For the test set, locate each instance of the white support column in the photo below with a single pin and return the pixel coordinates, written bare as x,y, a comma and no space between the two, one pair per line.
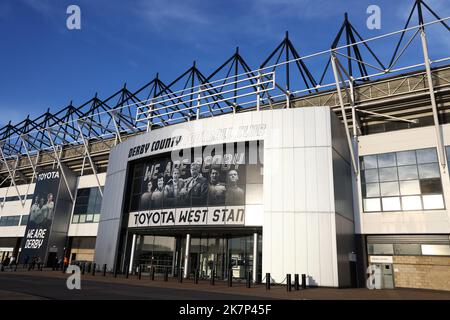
288,99
258,92
86,149
439,139
59,164
344,116
255,256
118,137
133,246
186,255
199,96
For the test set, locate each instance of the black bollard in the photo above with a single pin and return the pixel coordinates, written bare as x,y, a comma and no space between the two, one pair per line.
166,275
140,272
196,276
152,273
89,268
230,277
83,269
249,279
180,276
115,272
15,268
296,283
93,269
127,272
213,276
267,281
303,281
3,268
288,282
104,270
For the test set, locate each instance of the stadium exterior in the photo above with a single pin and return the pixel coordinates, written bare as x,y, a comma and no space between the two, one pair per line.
249,171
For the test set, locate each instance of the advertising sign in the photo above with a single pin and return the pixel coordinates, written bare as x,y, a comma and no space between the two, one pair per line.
41,215
194,187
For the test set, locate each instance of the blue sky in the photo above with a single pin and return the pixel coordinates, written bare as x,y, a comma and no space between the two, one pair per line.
45,65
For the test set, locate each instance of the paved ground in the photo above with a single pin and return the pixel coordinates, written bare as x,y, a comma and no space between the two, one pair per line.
24,284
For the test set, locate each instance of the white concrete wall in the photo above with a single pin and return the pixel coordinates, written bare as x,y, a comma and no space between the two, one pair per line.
14,208
408,222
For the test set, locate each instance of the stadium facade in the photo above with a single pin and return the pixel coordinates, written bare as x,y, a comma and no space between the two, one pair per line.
261,171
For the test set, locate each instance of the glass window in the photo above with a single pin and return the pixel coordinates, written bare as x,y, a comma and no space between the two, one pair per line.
370,162
391,204
409,187
372,205
408,173
430,170
433,202
372,190
388,174
406,158
407,249
96,217
82,218
414,175
75,218
426,155
412,203
89,217
371,175
389,189
24,220
436,250
380,248
386,160
431,186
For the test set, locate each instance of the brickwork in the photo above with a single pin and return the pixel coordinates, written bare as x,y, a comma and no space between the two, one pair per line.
424,272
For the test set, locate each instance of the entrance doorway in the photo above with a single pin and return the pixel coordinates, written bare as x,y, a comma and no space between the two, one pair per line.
384,276
220,254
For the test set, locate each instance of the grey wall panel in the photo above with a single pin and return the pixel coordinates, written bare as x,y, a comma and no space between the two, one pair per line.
339,138
112,208
345,241
343,195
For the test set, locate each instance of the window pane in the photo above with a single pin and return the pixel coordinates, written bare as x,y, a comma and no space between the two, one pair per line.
436,250
370,162
388,174
407,249
82,218
430,186
386,160
406,158
426,155
89,217
409,187
433,202
75,218
372,205
408,173
430,170
411,203
83,192
380,248
389,189
371,175
24,220
391,204
372,190
96,217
